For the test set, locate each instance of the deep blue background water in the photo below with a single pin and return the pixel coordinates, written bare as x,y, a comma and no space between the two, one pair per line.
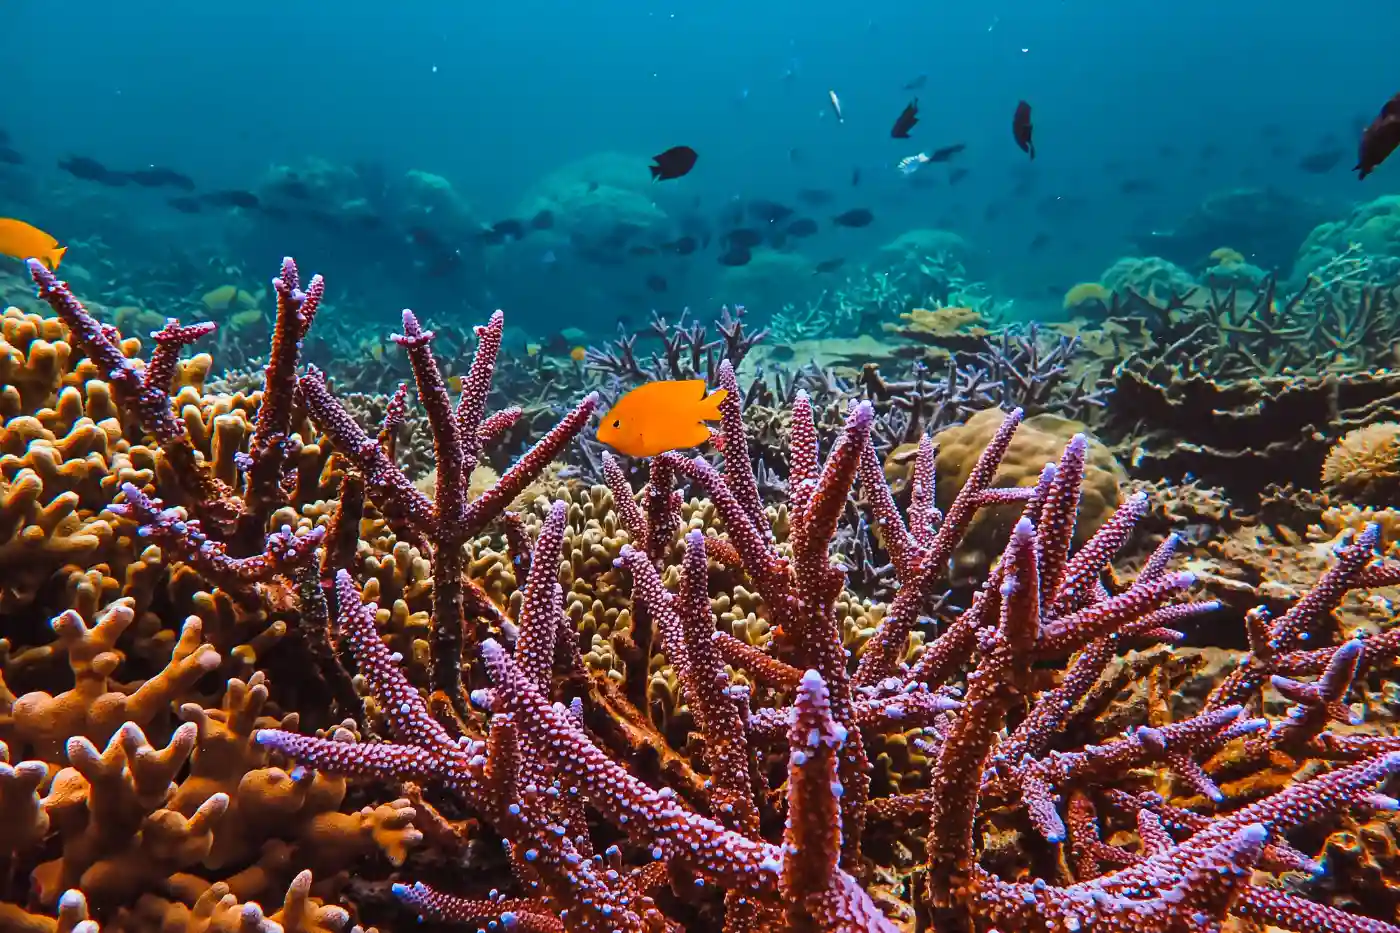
495,95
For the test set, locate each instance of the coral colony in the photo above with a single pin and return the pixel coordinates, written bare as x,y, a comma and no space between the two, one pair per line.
295,678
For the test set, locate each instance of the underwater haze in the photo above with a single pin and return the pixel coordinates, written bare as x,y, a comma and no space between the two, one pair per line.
408,130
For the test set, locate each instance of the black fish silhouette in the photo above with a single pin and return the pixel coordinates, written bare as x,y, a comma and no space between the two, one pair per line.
906,121
1379,139
231,198
92,170
946,153
673,163
856,217
1021,128
157,176
736,256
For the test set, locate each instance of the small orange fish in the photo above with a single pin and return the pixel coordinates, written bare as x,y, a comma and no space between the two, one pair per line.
454,383
661,416
578,354
25,241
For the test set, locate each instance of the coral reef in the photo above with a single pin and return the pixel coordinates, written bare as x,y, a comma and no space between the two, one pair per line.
249,662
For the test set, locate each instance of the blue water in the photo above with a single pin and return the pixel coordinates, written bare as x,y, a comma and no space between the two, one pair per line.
495,96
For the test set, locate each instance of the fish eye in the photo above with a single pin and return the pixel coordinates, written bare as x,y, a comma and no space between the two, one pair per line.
617,423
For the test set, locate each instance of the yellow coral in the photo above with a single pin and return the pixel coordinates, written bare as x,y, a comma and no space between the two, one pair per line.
1225,256
1085,294
227,298
1365,464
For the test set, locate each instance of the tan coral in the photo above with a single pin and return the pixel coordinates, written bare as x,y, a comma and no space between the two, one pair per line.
94,706
1364,466
1038,441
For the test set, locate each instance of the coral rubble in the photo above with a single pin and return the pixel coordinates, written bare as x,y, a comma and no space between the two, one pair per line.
278,672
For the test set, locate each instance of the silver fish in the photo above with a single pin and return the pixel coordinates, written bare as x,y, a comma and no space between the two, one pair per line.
836,106
911,164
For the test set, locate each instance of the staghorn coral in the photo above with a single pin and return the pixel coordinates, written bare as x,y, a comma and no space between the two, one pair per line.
1038,440
765,749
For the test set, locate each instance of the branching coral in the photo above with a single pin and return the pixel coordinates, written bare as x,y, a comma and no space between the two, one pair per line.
827,763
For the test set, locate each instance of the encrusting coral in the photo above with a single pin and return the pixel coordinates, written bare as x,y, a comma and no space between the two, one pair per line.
371,685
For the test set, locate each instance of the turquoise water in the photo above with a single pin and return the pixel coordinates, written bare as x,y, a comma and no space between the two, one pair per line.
1142,110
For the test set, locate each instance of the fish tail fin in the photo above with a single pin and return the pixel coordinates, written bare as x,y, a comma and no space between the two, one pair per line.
655,172
709,405
55,257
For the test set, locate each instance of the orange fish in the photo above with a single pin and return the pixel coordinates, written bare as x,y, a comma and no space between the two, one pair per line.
24,241
578,354
661,416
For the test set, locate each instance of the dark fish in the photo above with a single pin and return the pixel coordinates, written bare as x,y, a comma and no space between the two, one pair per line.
656,283
946,153
735,256
231,198
957,175
1318,163
673,163
916,83
1137,186
684,246
855,217
10,156
815,197
906,120
1167,151
1041,241
829,265
1271,130
641,249
544,220
185,205
743,238
802,228
159,177
1021,128
92,170
794,155
769,211
855,177
592,187
1379,139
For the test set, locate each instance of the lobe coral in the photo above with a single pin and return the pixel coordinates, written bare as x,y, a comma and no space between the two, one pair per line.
1032,799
